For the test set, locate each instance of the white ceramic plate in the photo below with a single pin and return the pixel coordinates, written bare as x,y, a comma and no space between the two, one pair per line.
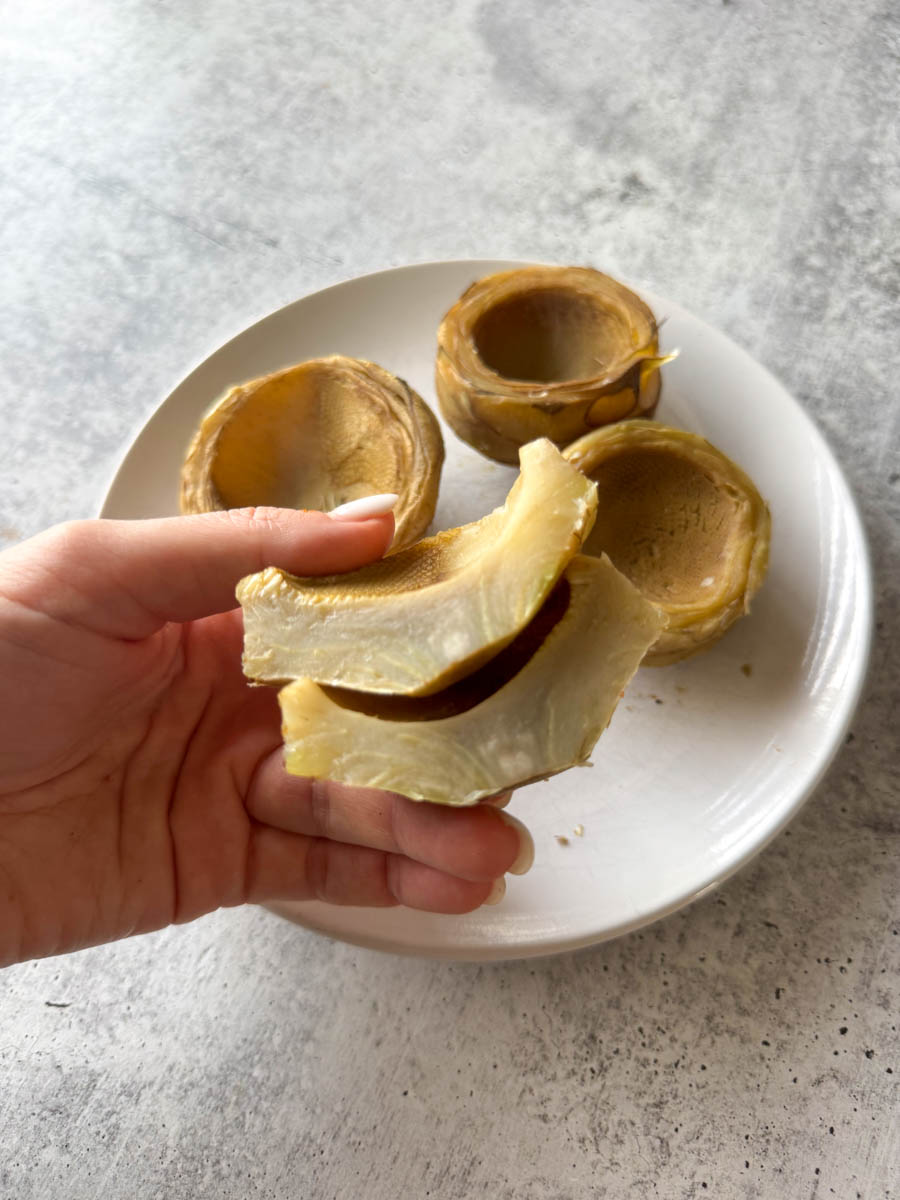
703,762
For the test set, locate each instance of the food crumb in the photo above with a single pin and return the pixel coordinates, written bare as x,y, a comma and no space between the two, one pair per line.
563,841
578,831
747,669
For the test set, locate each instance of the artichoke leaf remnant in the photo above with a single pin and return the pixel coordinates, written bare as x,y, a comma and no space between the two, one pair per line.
418,620
315,436
683,522
545,352
534,710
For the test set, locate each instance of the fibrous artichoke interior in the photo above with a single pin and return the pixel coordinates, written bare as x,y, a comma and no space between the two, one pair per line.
473,689
663,522
419,619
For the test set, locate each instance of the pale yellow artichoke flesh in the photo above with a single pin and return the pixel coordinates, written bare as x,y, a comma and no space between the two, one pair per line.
418,620
545,352
314,436
535,709
683,522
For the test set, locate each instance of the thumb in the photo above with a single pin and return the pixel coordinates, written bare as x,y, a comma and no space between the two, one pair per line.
128,578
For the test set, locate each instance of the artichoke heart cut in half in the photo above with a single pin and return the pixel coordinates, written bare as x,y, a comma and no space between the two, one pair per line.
418,620
535,709
314,436
545,352
683,522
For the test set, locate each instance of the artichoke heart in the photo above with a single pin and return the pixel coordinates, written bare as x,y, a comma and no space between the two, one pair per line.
545,352
418,620
535,709
314,436
683,522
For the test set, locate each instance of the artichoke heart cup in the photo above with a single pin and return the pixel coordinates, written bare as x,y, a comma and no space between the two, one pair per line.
545,352
481,659
316,435
683,522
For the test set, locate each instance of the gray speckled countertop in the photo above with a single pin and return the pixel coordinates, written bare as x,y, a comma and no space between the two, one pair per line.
172,171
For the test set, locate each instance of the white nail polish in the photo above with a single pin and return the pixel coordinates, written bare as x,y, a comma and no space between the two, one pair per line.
497,892
525,857
365,507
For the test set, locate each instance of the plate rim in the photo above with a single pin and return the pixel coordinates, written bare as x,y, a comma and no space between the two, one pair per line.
845,708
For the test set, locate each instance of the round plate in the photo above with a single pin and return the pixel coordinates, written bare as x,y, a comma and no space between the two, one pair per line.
704,761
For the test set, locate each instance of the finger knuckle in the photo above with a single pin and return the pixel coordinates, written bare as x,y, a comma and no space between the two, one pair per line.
72,539
395,879
318,870
254,519
320,807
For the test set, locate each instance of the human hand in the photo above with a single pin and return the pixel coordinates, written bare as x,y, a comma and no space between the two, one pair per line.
141,777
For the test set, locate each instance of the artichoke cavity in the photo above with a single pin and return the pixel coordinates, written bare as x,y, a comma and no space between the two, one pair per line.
314,436
545,352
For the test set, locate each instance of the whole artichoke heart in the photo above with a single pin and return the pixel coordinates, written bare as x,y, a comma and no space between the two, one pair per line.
314,436
545,352
683,522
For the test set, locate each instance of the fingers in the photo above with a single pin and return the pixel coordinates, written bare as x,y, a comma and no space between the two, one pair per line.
478,844
128,578
289,866
319,840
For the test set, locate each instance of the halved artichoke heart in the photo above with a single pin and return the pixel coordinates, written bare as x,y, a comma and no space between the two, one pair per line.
418,620
683,522
314,436
545,352
535,709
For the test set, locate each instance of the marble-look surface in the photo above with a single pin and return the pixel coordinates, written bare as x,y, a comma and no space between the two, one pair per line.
170,172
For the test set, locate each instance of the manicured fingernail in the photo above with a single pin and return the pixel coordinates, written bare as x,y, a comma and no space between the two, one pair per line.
525,857
365,507
497,892
499,801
